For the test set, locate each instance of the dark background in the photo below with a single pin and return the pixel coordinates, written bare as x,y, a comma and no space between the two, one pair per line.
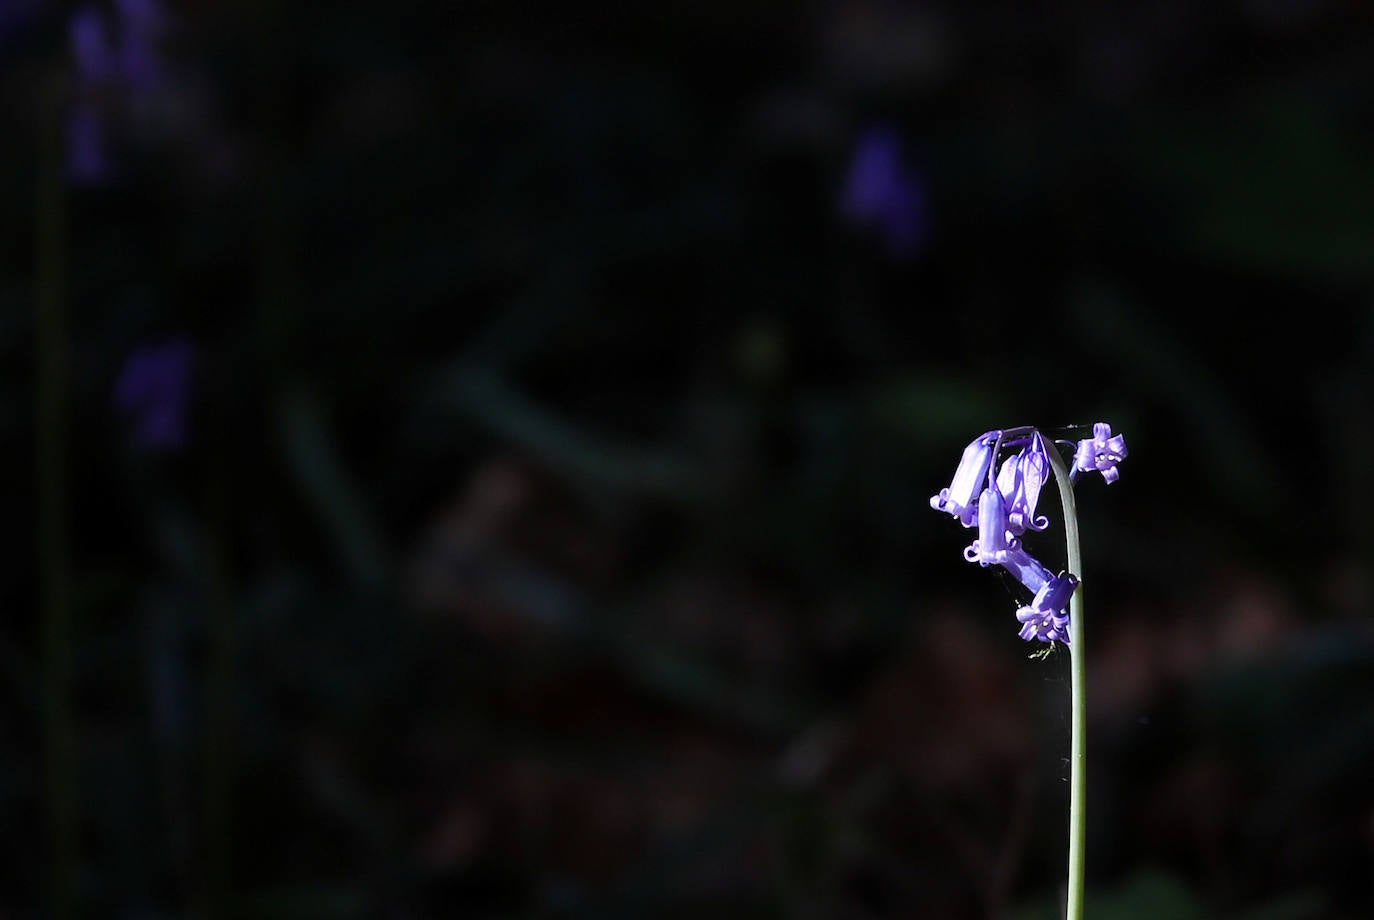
549,534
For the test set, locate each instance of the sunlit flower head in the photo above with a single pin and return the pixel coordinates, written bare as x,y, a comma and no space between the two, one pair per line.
1102,452
1045,618
1003,508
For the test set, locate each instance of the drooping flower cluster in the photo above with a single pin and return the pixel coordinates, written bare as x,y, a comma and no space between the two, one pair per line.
1002,505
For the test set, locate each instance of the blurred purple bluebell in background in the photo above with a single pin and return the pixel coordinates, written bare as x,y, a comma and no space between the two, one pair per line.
882,194
140,63
112,68
88,158
154,390
93,65
16,16
92,55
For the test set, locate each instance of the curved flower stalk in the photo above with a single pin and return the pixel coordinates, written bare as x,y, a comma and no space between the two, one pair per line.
1003,505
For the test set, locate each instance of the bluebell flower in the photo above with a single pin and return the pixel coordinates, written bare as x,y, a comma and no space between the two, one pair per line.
93,58
1020,480
1004,508
970,478
154,390
94,68
88,152
1102,452
109,75
1045,618
994,541
881,193
16,18
140,63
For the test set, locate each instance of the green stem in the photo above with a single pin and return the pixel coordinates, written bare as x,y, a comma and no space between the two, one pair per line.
1078,745
50,459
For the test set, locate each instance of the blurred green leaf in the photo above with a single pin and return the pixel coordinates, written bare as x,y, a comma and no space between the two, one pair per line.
574,452
328,487
310,901
1147,895
1146,346
1278,187
1302,906
932,408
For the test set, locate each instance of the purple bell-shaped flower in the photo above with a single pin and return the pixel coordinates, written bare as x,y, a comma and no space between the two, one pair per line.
1020,480
1102,452
961,498
993,541
1045,617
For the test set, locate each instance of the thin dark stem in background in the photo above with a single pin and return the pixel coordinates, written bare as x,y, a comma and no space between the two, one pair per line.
219,739
50,461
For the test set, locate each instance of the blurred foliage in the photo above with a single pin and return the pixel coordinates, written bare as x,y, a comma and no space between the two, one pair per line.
553,537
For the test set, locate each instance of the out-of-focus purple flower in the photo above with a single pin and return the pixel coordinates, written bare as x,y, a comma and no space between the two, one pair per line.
110,77
88,161
142,17
16,17
993,541
142,23
92,55
93,63
961,498
1102,452
1020,480
1045,618
881,193
154,390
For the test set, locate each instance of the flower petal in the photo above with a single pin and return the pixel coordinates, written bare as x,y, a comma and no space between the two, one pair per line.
970,478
